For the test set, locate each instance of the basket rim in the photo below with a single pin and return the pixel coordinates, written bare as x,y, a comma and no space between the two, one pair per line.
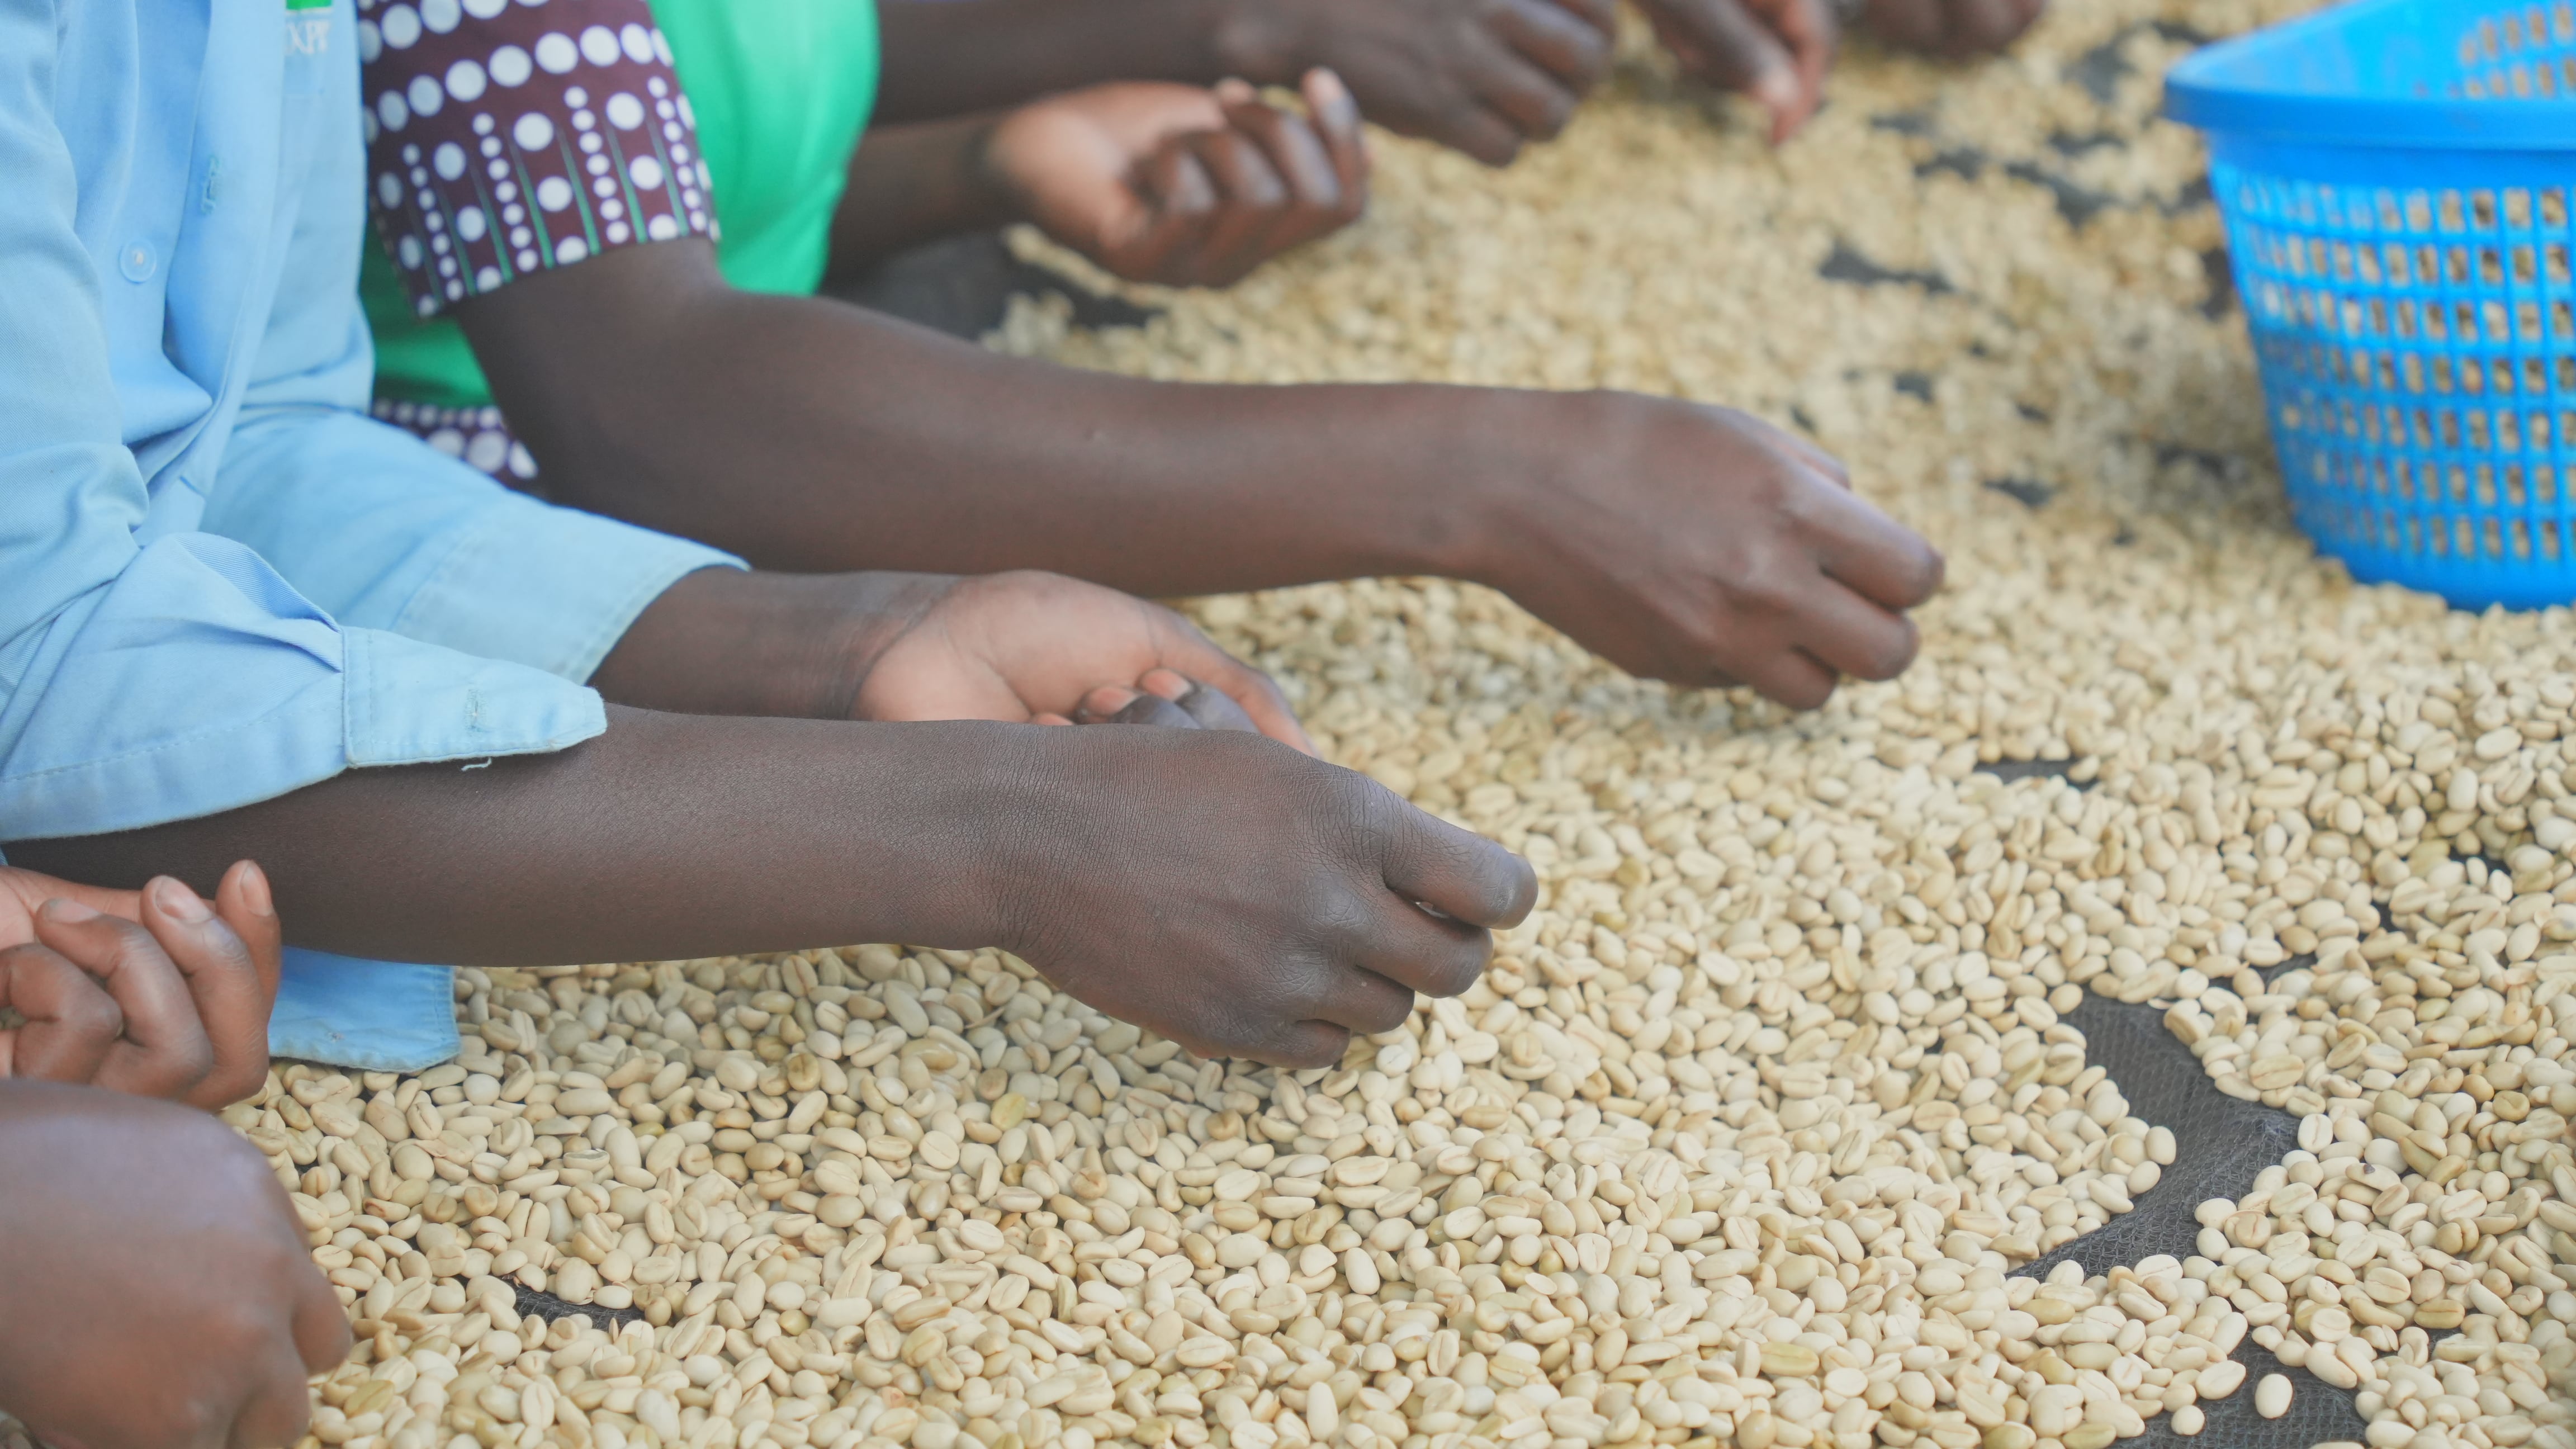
2221,88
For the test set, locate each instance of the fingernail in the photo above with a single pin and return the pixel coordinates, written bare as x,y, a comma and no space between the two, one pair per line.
1171,684
1331,94
68,913
254,890
181,902
1107,700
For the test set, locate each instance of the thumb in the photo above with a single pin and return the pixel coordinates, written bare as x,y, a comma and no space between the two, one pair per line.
1456,872
244,901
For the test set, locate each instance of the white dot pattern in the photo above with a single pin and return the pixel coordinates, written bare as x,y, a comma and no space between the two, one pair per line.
478,436
557,53
477,104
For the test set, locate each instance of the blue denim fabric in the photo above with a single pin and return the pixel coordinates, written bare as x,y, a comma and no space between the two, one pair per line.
376,1016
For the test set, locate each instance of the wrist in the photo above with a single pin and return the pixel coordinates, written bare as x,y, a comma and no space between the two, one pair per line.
1261,41
1401,479
784,646
991,194
915,183
1501,477
967,870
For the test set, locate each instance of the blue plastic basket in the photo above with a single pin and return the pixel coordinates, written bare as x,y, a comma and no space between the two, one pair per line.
2397,179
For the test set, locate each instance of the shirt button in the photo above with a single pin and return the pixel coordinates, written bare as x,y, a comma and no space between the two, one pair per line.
136,261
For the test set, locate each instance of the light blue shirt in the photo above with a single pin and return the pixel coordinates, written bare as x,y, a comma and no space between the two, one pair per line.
219,581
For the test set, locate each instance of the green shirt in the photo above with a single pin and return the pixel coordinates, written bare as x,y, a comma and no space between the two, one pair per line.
780,90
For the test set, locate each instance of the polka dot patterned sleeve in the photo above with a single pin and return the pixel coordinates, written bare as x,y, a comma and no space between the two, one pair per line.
508,136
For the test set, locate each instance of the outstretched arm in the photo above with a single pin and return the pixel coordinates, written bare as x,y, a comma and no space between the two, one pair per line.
1683,542
669,836
1219,887
807,435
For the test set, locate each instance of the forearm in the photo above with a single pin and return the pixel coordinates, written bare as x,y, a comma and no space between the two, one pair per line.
911,184
670,836
810,436
952,57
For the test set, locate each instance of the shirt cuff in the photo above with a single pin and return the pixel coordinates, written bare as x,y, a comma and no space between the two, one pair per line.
383,533
198,683
551,588
409,703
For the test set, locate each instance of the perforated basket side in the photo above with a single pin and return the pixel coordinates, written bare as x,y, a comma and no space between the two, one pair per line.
2517,52
2398,179
2415,323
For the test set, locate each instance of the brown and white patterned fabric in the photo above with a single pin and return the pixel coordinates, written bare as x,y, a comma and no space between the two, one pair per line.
477,436
509,136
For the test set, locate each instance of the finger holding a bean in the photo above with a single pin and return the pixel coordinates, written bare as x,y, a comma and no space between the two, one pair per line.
1169,699
1705,547
1286,919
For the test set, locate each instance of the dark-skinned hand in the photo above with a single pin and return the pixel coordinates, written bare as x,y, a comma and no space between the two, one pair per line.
1287,915
152,992
1023,645
1482,76
1954,29
1277,931
1703,546
1775,52
1166,700
159,1293
1270,908
1020,647
1181,185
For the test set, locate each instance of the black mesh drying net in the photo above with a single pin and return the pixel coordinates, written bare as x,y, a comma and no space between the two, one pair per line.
2220,1143
547,1306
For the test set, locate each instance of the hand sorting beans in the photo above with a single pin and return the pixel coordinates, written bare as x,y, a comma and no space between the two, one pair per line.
1740,1136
